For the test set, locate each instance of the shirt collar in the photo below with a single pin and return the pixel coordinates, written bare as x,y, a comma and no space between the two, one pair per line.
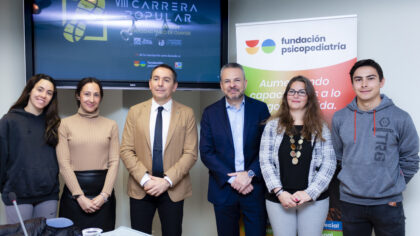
166,107
228,106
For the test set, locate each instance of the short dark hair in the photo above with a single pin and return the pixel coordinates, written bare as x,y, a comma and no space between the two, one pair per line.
232,65
166,67
83,82
367,62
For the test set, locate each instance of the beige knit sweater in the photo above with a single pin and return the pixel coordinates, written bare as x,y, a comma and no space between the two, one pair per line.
88,141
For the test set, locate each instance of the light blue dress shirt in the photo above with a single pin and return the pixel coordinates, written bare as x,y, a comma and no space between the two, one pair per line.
236,120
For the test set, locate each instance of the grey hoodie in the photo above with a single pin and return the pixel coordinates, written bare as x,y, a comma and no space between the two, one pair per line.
378,150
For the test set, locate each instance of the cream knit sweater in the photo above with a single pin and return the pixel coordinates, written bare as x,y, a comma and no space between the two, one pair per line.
88,141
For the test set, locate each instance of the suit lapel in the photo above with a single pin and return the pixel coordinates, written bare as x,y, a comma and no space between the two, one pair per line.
224,118
247,116
173,123
145,117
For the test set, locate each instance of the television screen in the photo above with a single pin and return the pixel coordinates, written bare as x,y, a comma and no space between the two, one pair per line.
120,41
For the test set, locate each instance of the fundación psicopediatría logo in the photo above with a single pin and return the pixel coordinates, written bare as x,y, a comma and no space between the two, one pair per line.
140,63
178,65
75,29
267,46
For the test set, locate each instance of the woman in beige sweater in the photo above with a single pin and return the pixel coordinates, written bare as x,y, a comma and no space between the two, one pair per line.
88,156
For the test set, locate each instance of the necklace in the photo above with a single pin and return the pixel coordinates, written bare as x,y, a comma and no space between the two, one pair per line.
296,147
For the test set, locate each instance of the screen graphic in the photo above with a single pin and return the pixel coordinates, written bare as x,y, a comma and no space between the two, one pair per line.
122,40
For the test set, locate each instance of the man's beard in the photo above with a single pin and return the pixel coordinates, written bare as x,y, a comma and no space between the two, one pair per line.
239,96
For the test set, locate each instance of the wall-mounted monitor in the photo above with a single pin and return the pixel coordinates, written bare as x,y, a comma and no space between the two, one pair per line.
120,41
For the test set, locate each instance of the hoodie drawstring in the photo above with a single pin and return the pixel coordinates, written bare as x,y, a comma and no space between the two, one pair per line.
374,124
354,141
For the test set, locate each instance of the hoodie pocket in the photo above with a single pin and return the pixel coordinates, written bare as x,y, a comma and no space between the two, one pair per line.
370,181
36,181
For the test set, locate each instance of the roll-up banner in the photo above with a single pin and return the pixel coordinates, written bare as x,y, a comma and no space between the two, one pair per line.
322,49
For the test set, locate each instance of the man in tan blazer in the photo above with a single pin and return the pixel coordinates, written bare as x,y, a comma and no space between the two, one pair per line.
159,147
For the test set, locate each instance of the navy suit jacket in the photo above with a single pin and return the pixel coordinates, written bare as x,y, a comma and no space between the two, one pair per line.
217,150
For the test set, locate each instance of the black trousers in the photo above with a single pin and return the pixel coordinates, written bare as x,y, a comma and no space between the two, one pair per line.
170,214
91,183
385,219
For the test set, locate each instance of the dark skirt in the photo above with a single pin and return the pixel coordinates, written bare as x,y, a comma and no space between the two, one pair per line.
91,182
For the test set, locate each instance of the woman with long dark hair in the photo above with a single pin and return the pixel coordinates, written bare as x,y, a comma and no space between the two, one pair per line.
297,162
28,163
88,155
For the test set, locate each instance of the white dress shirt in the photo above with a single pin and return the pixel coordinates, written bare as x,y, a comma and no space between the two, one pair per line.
166,117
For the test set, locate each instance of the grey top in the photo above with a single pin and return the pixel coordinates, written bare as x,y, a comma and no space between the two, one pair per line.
378,150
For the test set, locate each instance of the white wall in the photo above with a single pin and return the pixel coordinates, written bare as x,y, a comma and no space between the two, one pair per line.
12,67
387,33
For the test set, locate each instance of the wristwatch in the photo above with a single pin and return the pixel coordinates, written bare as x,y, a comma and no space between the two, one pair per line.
104,196
251,173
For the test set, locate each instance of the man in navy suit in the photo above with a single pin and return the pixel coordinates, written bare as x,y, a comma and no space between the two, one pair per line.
229,145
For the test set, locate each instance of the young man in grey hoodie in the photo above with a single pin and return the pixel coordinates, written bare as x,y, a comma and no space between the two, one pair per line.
377,145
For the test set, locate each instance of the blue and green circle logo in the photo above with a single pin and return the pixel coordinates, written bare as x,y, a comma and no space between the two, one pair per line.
268,46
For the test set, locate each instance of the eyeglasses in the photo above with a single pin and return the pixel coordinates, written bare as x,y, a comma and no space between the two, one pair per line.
301,92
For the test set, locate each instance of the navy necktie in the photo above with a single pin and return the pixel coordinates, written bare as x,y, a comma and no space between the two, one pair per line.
157,167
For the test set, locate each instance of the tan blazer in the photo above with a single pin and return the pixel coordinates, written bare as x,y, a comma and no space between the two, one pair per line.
180,149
